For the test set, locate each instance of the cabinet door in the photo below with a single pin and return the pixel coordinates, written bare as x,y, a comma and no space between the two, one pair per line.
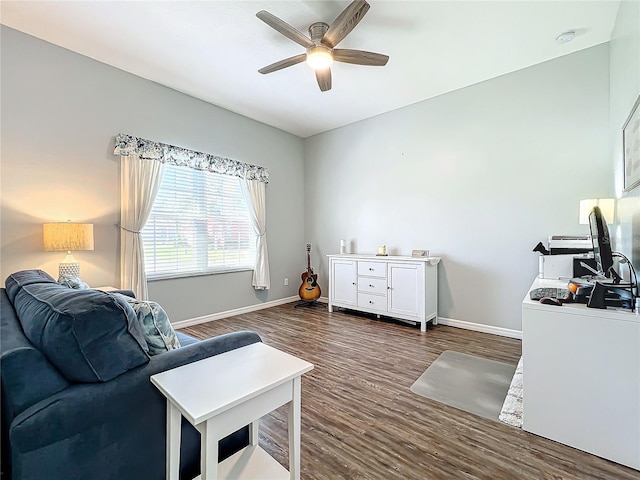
343,285
405,297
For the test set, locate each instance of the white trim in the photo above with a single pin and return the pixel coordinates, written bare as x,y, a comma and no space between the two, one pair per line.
230,313
169,276
450,322
479,327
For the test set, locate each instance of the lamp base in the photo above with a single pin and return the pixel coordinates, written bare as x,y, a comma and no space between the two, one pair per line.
69,267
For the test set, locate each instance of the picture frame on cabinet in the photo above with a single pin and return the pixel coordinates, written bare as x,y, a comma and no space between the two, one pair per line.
631,148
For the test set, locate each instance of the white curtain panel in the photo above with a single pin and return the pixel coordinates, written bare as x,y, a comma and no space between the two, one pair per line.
139,183
254,192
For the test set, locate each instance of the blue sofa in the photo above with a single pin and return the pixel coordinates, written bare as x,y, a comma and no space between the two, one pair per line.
76,398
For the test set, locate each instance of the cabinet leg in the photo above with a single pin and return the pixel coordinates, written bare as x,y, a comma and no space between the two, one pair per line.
253,432
294,431
174,418
208,451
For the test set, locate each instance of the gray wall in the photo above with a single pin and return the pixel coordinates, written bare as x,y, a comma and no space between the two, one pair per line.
477,176
60,113
625,88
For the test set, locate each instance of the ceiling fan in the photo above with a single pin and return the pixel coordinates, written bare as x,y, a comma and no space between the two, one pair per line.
321,51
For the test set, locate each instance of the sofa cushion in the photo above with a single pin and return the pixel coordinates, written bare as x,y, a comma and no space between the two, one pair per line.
156,327
72,281
17,280
27,377
89,335
185,339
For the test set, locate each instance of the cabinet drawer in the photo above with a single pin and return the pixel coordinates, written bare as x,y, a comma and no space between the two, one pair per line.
372,302
372,285
372,269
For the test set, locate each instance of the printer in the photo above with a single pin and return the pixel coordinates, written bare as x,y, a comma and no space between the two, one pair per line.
568,244
565,257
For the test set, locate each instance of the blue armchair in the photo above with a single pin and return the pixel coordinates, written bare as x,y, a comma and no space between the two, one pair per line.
76,398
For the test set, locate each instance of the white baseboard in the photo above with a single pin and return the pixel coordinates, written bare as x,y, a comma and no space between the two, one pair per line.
479,327
450,322
230,313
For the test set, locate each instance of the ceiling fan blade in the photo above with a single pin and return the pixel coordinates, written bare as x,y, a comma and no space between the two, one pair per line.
324,79
346,21
285,29
360,57
287,62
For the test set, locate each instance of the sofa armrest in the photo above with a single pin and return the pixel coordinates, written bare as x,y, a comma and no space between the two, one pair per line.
93,403
127,411
198,351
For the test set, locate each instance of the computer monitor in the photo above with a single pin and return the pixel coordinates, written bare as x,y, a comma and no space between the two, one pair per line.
601,242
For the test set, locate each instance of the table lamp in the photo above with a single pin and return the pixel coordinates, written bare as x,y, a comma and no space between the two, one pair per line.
61,236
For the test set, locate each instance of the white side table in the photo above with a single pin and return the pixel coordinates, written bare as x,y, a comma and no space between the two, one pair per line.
223,393
106,288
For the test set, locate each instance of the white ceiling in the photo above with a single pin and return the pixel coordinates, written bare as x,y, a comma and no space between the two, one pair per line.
212,50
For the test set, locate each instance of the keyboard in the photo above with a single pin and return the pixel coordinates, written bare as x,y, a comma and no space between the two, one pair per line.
559,293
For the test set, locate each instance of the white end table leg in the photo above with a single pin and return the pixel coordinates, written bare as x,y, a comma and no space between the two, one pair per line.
253,432
208,451
172,464
294,431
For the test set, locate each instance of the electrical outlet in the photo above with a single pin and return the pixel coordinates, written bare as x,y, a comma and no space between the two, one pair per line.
286,282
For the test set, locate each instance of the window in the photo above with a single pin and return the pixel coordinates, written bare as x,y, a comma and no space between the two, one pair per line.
199,224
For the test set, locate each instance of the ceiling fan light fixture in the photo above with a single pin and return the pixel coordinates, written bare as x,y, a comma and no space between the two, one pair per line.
320,45
319,57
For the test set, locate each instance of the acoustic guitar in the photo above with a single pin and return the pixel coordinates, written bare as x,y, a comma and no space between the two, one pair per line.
309,291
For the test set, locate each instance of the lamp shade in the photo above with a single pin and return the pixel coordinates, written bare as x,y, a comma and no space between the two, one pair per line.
67,236
319,57
607,206
628,208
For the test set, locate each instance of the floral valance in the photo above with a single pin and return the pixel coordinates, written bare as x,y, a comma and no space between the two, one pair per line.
149,150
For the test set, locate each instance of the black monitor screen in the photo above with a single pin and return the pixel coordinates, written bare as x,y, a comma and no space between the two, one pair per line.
601,242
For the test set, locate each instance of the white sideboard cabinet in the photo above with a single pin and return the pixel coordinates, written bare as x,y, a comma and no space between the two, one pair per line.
395,286
581,376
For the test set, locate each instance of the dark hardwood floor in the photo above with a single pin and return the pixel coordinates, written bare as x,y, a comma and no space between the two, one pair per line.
361,421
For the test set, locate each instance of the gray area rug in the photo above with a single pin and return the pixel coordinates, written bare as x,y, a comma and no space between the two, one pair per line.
472,384
511,413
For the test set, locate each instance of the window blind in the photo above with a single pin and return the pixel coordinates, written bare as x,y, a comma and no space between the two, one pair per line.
198,224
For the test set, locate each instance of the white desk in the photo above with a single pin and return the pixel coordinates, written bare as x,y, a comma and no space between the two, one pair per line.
581,377
223,393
